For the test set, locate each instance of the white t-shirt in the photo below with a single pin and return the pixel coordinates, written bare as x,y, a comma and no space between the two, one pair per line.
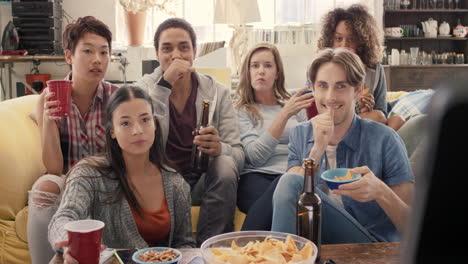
330,151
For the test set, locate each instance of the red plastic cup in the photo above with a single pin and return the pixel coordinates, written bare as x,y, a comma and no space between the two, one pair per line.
311,111
84,240
62,93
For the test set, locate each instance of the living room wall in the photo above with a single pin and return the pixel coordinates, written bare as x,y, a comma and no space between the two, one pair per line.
295,59
100,9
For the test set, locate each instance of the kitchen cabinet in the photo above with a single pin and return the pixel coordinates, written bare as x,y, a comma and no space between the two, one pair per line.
415,77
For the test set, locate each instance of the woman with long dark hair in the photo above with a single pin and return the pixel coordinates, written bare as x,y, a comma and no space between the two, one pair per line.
132,188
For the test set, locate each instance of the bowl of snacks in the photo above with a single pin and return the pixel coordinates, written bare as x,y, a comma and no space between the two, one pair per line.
258,247
162,255
335,177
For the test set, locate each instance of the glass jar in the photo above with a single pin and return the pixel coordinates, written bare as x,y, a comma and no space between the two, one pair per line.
449,58
440,4
444,58
438,58
460,59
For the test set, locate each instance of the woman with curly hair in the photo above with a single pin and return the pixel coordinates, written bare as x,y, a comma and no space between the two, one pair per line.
355,29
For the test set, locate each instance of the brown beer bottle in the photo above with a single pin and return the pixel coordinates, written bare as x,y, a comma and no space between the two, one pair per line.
309,207
200,159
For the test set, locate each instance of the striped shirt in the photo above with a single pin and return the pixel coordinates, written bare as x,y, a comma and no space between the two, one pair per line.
82,136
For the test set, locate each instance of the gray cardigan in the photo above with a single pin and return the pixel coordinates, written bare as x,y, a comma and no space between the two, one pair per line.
222,115
263,152
85,198
375,81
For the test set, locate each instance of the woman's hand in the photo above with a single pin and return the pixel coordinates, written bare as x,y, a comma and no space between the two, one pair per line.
67,258
366,103
297,102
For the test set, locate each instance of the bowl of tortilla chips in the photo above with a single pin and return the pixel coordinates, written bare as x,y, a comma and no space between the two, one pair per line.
335,177
262,247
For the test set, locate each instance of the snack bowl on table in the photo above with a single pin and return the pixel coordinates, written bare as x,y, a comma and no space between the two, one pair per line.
329,177
211,248
159,249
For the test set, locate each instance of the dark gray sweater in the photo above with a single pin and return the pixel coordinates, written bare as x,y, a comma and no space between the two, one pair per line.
83,199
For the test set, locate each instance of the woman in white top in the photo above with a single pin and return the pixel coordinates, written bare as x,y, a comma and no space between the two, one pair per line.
266,114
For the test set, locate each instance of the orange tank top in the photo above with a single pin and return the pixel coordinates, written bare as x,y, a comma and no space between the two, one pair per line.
153,226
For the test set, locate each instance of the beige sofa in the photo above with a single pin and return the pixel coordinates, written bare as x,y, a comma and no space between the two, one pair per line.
20,166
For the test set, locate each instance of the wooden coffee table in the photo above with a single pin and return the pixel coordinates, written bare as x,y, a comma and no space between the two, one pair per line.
370,253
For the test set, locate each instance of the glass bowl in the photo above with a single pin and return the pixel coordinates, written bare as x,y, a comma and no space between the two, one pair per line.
243,237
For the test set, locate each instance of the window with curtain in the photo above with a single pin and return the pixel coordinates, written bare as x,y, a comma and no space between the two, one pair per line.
200,14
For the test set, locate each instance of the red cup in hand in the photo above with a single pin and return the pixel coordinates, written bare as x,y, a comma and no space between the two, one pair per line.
62,93
84,240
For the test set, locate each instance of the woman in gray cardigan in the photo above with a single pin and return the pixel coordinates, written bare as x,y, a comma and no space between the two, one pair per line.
131,188
266,114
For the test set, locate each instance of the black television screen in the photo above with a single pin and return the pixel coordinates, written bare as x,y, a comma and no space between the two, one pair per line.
438,226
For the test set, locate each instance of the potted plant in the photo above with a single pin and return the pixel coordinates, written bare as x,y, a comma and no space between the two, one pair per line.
135,11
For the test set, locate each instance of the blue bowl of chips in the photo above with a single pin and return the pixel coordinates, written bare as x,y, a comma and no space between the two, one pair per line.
335,177
162,255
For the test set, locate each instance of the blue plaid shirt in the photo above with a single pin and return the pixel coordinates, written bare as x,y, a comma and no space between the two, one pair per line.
367,143
412,104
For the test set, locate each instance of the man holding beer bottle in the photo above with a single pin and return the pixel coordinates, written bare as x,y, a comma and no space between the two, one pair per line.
371,209
178,93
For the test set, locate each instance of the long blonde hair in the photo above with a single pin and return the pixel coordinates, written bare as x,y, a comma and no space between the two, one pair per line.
245,96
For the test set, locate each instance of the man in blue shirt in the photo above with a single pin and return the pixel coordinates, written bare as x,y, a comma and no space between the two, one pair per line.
373,208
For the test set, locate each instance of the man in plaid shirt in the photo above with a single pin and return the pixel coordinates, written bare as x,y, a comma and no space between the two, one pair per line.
412,104
66,140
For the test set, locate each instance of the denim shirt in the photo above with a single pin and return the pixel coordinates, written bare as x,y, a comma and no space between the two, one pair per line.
367,143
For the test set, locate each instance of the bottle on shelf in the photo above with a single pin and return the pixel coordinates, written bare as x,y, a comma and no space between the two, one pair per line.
440,4
450,4
460,59
434,57
309,207
403,58
200,159
395,57
385,59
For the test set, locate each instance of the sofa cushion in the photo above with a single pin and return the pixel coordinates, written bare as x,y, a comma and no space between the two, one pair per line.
21,224
222,75
12,249
391,96
239,218
20,155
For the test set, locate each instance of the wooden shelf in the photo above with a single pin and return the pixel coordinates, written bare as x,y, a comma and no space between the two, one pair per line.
426,10
424,38
415,77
